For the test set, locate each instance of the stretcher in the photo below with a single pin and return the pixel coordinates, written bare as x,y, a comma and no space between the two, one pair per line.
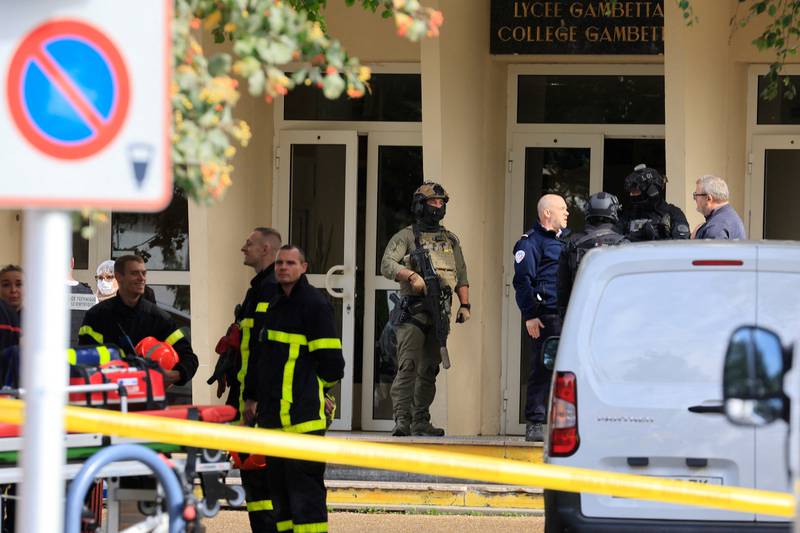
105,379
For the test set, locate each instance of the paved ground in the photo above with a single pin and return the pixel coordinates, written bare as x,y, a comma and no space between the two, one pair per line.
236,521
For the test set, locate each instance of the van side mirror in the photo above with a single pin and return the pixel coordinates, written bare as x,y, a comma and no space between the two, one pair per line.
752,384
549,351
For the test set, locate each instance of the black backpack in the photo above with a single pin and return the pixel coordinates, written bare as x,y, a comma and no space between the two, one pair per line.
578,248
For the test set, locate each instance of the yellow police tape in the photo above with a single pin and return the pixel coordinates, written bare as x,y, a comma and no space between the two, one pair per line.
408,459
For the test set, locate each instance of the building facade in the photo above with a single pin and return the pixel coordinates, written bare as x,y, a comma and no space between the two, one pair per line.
515,98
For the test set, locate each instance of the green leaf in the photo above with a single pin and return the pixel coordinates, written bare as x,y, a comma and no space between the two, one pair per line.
219,65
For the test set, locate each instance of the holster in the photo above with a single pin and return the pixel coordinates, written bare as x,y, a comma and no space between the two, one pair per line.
410,306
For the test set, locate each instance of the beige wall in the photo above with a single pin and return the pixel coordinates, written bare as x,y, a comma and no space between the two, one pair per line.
10,237
219,279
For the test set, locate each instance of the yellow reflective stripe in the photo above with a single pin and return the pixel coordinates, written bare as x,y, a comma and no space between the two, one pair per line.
288,379
286,338
72,357
262,307
322,344
87,330
322,400
318,527
244,350
105,355
307,427
174,337
246,323
286,525
261,505
327,384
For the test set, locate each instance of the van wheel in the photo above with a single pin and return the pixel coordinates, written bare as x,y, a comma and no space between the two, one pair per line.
552,521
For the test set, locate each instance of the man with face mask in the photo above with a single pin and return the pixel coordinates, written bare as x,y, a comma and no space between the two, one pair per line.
418,348
648,217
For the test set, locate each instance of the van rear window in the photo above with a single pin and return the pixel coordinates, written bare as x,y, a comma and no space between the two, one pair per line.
670,327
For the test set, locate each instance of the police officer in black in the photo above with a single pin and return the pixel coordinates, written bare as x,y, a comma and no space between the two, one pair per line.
602,217
649,217
127,318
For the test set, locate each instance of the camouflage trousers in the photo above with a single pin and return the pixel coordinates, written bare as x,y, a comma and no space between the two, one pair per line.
418,360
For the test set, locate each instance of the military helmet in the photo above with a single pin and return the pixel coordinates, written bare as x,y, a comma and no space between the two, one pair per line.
429,190
603,205
424,192
647,180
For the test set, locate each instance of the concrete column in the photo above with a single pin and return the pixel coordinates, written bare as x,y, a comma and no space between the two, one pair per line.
700,106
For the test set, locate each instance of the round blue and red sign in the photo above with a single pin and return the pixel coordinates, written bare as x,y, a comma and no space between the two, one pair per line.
68,89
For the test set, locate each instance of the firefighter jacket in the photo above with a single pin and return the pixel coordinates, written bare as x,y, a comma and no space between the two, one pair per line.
263,288
9,326
299,358
113,322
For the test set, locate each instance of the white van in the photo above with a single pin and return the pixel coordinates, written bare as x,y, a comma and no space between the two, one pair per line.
637,382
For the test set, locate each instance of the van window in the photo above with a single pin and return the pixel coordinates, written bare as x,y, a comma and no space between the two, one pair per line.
670,327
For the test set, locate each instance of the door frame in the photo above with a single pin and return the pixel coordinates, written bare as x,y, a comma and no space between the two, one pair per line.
373,282
510,373
755,204
345,281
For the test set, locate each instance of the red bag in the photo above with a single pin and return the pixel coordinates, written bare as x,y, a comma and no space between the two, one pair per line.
144,385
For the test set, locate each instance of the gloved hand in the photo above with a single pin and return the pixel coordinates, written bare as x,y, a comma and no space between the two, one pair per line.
463,313
330,408
222,385
417,283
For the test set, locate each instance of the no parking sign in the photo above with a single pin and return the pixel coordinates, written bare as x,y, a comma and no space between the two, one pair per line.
86,88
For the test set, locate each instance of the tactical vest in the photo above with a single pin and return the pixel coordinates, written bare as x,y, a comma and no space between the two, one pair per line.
598,237
440,245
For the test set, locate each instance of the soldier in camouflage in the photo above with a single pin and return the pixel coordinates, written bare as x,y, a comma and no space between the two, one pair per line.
418,355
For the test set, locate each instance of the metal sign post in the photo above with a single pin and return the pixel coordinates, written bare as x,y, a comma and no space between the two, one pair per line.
86,94
48,247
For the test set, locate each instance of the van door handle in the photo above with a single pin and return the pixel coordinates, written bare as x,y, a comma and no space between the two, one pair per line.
718,409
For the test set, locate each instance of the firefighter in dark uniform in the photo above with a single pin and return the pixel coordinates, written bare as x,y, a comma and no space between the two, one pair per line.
127,318
239,346
299,361
648,217
418,353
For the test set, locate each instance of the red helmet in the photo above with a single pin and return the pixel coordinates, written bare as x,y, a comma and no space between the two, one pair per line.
159,351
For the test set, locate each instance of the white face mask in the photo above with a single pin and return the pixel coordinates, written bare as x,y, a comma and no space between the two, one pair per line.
105,287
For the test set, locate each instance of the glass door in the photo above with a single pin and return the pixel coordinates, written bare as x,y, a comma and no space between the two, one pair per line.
774,187
394,171
315,201
564,164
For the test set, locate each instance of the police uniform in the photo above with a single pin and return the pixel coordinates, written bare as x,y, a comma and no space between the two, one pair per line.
536,260
418,355
263,288
663,221
299,359
113,322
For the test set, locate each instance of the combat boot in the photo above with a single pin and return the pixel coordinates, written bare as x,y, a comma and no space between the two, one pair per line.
401,428
426,429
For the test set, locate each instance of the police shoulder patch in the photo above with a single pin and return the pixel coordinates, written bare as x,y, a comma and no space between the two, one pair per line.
519,256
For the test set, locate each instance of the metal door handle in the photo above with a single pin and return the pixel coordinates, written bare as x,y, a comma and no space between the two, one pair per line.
328,274
717,409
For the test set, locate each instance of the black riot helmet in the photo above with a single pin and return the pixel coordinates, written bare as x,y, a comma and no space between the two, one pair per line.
648,182
603,206
419,207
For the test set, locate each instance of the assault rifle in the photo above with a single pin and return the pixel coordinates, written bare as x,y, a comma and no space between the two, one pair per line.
437,298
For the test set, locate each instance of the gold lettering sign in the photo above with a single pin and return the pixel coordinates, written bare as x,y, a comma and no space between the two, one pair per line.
577,27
